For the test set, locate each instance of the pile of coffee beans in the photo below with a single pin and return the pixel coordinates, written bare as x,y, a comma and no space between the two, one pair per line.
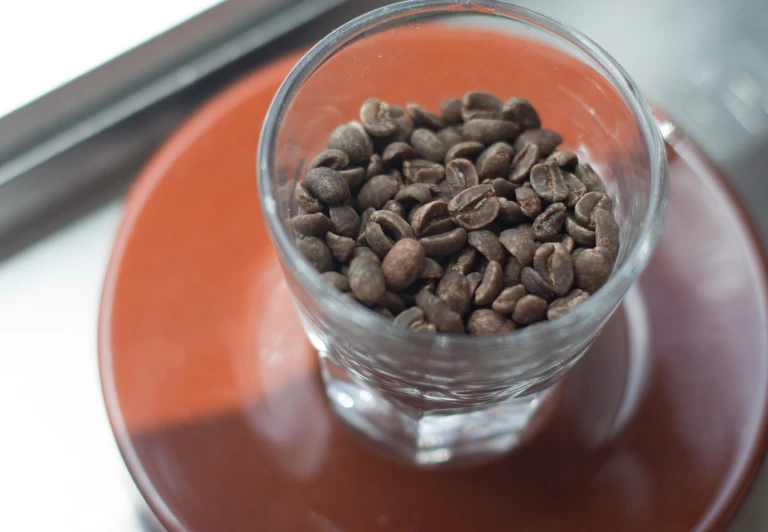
470,221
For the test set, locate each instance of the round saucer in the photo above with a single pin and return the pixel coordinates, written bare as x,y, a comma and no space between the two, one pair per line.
214,398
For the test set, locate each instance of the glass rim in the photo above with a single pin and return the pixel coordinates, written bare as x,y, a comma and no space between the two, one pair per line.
619,281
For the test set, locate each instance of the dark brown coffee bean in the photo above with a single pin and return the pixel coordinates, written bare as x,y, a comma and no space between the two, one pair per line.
395,207
487,243
450,111
549,223
418,193
432,218
588,205
460,174
403,264
473,281
591,268
479,104
438,313
485,322
581,235
464,262
374,115
463,150
529,201
366,280
529,309
522,113
520,245
428,145
512,271
423,171
523,162
491,285
365,253
488,130
589,177
450,137
410,318
352,139
494,161
607,233
354,177
561,307
475,207
375,166
563,159
481,264
444,243
392,302
547,181
364,219
341,247
327,186
553,262
536,284
304,198
510,212
422,117
335,159
377,239
453,290
403,124
396,153
376,192
336,280
576,189
344,220
316,252
508,298
431,269
565,241
393,225
503,188
311,224
546,139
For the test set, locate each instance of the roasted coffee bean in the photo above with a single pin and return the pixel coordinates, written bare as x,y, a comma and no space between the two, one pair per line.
473,281
450,137
581,235
475,207
316,252
423,171
508,298
375,166
520,245
588,205
547,181
327,185
561,307
591,268
464,262
304,198
444,243
431,269
536,284
403,124
311,224
488,130
565,241
414,193
529,201
503,188
589,177
450,111
354,177
352,139
487,243
481,264
491,285
428,145
366,253
366,280
432,218
546,139
524,160
392,302
378,241
512,271
526,228
549,223
410,318
396,153
494,161
453,290
344,220
485,322
364,219
576,189
446,320
393,225
403,264
422,117
510,212
563,159
553,262
374,115
376,192
463,150
460,174
607,233
335,159
522,113
341,247
336,280
395,207
480,104
529,309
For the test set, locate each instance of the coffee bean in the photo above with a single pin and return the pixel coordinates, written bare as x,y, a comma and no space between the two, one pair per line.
428,145
335,159
327,186
494,161
481,264
444,243
423,171
480,104
354,177
546,139
563,159
393,225
536,284
311,224
485,322
562,306
464,262
491,285
453,290
438,313
581,235
553,262
576,189
366,280
403,264
460,174
526,228
588,205
487,243
384,312
376,192
450,137
529,309
503,188
344,220
352,139
529,201
366,253
395,207
392,302
375,166
523,162
607,233
547,181
304,198
549,223
475,207
488,130
414,193
422,117
336,280
432,219
316,253
591,268
410,318
473,281
374,115
403,124
341,247
463,150
520,245
566,241
522,113
450,111
397,152
589,177
431,269
377,239
508,298
510,212
512,271
364,219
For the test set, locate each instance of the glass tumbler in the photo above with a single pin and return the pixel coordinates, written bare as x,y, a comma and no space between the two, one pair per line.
449,399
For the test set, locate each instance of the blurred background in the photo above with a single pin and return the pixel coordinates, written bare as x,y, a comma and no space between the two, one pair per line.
90,88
